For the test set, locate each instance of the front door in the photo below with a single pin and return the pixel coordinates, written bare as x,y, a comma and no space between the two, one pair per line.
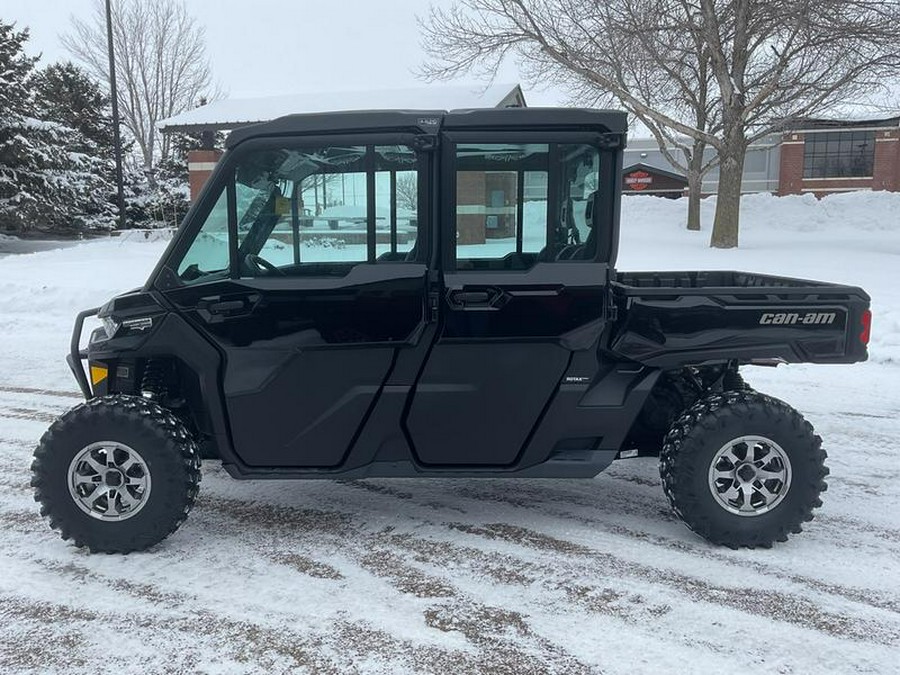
525,250
308,272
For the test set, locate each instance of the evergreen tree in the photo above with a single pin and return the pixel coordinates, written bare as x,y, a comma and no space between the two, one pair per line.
67,94
25,154
51,174
68,97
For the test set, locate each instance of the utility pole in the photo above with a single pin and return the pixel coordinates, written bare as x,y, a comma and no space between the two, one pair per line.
117,139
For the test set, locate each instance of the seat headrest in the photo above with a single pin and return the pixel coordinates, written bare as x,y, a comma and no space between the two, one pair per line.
589,209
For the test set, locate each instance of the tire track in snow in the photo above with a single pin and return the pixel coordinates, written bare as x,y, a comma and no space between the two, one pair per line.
877,600
640,505
38,405
528,499
260,524
42,392
28,414
780,606
386,555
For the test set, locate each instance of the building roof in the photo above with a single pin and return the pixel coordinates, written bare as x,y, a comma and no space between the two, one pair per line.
233,113
802,123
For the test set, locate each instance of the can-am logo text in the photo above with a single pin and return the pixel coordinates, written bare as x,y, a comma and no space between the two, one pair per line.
791,318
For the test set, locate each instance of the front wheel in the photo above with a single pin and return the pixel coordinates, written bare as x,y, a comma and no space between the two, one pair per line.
743,469
116,474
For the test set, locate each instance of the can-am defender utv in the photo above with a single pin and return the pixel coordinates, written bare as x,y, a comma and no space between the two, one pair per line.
434,294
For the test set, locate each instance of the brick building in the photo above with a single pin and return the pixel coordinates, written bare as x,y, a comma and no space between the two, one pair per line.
824,156
812,155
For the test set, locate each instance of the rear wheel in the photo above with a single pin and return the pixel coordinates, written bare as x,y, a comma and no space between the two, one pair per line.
743,469
116,474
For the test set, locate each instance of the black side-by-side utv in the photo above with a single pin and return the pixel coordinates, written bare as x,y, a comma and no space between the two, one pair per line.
426,294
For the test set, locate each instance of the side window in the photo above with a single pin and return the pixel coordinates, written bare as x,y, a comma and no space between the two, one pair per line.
310,209
207,257
305,211
501,195
396,203
522,203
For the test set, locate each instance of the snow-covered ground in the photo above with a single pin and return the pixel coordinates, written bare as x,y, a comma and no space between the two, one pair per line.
466,576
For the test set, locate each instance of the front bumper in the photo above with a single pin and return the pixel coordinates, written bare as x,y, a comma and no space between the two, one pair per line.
77,355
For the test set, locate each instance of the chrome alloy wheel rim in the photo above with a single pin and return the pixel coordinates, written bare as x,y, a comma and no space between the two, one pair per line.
750,475
109,481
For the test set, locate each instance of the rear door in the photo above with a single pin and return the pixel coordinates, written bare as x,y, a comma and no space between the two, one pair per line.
308,272
526,234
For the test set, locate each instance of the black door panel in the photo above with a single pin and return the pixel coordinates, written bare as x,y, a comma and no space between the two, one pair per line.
479,410
306,411
496,365
306,357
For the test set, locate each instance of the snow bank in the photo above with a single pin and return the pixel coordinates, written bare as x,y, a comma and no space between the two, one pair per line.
851,211
40,294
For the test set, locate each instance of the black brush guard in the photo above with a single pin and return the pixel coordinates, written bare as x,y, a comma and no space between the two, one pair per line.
77,355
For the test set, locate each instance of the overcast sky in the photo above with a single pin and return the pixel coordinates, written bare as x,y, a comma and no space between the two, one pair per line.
270,47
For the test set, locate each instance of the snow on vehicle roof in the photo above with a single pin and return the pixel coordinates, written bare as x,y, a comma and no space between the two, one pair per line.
232,113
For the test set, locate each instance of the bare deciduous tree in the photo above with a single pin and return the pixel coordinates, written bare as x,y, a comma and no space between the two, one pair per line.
407,190
161,64
721,73
669,75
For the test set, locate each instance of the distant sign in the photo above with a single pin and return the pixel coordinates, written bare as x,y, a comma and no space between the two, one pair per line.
638,180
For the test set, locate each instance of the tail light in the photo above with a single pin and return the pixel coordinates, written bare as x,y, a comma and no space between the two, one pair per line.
866,323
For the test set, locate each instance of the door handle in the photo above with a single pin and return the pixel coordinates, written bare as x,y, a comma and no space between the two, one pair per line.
489,298
224,306
470,298
213,309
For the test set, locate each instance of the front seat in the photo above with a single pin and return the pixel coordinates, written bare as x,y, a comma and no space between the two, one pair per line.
588,249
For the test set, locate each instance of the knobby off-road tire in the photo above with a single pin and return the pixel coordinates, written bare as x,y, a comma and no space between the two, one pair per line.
135,450
711,442
734,381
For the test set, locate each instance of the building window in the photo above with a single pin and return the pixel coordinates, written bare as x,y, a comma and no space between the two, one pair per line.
839,154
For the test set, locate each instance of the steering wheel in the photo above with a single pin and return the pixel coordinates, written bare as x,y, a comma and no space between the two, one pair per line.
261,264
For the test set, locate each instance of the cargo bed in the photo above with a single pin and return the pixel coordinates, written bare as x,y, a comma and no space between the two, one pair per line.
671,319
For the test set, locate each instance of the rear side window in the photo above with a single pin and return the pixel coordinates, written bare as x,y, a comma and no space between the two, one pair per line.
520,203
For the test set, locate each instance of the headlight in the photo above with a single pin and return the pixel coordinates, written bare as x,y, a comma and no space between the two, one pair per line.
110,326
